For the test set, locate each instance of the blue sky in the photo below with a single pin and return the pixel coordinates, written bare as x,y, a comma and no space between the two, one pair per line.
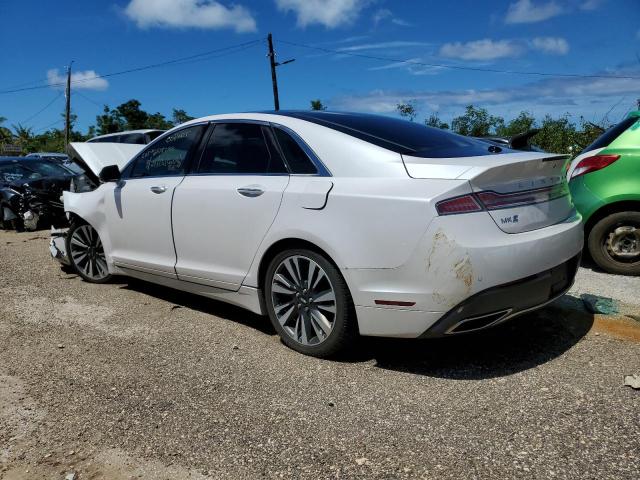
584,37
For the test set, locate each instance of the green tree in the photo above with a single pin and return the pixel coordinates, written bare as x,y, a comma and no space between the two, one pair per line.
557,135
521,124
157,120
434,121
317,105
108,122
5,134
476,122
133,117
23,136
407,110
179,116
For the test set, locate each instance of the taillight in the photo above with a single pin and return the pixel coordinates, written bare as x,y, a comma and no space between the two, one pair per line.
462,204
489,200
495,201
591,164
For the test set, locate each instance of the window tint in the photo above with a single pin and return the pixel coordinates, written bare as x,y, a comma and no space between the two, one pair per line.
239,148
398,135
297,159
154,135
610,135
135,138
168,156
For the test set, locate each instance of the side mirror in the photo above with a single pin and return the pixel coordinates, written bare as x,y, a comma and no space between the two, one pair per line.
110,173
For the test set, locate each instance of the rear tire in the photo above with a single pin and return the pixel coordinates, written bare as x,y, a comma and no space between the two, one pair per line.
614,243
309,304
86,253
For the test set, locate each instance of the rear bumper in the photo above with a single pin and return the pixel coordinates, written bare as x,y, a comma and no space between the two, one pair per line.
498,304
458,259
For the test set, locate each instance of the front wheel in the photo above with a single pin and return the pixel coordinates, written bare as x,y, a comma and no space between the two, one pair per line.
309,303
614,243
86,254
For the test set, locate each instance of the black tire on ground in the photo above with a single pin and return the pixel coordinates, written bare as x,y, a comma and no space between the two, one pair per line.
600,251
345,327
77,264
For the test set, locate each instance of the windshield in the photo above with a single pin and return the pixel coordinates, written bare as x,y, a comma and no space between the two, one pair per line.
12,172
47,169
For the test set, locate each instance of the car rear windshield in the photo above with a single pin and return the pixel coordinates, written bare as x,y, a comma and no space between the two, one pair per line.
400,136
610,135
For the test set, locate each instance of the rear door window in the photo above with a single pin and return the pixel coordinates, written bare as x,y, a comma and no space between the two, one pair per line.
167,157
298,161
240,149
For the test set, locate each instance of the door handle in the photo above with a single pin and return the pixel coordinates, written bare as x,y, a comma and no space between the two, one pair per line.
251,192
158,189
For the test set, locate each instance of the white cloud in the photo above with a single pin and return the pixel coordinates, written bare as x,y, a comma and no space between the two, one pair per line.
384,46
552,45
559,95
485,49
414,66
524,11
190,13
386,14
330,13
79,80
590,4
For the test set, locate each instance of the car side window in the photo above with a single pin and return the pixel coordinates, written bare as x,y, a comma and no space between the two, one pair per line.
168,156
240,149
298,161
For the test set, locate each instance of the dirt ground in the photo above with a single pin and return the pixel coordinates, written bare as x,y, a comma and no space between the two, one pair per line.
129,380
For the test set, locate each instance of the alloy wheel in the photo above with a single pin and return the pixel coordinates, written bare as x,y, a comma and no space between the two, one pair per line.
303,299
87,253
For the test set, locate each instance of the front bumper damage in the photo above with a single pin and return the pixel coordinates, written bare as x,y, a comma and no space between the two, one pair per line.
58,245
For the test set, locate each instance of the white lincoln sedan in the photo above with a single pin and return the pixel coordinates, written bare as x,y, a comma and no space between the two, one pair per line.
332,224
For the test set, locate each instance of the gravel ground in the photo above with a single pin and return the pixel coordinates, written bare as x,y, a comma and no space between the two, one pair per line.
129,380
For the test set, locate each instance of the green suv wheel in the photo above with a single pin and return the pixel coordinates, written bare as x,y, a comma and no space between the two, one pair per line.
614,243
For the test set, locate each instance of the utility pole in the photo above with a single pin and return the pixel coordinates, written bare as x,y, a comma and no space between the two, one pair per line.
274,78
67,110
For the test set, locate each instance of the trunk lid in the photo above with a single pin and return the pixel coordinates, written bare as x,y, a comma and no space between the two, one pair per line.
521,191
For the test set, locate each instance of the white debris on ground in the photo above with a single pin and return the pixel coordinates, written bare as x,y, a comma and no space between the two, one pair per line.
632,381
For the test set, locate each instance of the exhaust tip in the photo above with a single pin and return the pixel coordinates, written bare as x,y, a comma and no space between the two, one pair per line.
478,323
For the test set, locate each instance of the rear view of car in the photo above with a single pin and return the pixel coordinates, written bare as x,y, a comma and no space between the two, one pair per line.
605,185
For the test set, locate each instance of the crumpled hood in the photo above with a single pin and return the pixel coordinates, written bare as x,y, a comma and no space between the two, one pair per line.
95,156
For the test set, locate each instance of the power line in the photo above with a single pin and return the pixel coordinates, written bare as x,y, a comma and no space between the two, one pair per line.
454,67
42,109
139,69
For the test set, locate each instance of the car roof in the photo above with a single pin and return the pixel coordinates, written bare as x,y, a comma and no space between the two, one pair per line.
127,132
48,154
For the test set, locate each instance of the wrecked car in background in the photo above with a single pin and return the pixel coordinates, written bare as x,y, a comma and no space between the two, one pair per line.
31,191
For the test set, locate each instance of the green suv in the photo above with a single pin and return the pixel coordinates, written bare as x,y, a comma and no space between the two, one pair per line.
605,184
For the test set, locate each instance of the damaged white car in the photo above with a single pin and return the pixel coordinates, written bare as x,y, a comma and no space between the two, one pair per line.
332,224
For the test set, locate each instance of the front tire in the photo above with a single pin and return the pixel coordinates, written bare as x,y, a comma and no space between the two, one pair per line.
86,253
614,243
309,303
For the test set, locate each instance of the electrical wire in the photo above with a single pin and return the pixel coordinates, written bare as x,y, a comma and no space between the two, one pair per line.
138,69
42,109
455,67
